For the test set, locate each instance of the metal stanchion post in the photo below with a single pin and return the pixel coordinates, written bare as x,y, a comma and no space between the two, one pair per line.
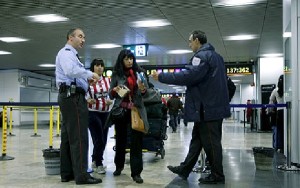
58,122
51,128
10,123
35,124
244,119
4,157
288,166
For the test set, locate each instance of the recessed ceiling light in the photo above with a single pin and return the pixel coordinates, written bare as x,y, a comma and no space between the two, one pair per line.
179,51
287,34
47,18
240,37
12,39
106,46
237,2
272,55
142,61
47,65
4,52
151,23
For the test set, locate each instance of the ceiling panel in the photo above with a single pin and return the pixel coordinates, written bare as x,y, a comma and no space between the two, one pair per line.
109,21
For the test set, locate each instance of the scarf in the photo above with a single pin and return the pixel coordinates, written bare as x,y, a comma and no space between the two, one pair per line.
131,80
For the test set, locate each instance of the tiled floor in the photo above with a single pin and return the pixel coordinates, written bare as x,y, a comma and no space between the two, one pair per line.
27,168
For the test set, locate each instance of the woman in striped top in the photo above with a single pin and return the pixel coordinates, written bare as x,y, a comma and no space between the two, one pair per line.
99,105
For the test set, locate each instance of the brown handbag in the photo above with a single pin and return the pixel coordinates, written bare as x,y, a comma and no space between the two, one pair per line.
136,121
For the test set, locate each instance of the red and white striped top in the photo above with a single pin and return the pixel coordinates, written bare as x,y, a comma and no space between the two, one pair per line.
99,92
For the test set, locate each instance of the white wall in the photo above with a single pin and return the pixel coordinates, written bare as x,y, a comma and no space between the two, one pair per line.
12,88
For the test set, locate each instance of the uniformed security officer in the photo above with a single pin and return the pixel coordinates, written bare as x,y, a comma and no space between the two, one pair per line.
73,82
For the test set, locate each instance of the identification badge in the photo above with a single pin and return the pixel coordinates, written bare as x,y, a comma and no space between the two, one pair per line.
196,61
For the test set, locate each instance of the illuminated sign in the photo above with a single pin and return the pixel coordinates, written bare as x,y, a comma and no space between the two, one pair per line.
139,50
239,69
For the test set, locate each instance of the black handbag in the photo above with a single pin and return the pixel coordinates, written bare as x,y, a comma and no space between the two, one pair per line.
117,114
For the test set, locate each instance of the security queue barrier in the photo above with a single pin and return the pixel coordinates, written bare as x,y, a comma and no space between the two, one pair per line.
288,106
35,107
286,167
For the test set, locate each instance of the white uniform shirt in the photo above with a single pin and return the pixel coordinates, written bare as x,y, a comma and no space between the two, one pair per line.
99,92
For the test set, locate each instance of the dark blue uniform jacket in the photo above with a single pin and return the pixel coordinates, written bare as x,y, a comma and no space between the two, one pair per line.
206,82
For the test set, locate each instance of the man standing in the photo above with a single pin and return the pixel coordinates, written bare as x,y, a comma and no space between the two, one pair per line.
72,79
206,104
174,104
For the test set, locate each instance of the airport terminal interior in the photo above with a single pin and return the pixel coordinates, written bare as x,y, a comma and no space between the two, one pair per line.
27,169
258,40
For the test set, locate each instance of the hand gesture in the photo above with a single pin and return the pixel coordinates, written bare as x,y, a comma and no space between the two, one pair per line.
154,75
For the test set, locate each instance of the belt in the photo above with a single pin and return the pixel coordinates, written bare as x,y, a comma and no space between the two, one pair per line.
66,88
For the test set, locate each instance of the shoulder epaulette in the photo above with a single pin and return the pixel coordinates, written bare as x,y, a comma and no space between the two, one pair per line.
67,49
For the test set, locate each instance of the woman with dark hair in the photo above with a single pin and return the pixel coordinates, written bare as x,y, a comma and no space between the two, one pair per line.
126,73
277,97
99,105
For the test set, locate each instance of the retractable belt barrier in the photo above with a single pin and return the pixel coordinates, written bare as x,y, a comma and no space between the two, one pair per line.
26,105
51,106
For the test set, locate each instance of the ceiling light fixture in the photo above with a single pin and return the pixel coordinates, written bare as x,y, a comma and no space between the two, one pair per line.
142,61
287,34
106,46
151,23
272,55
47,65
241,37
179,51
4,52
238,2
12,39
47,18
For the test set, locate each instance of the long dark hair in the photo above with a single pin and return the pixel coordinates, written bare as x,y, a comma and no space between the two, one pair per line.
280,86
119,68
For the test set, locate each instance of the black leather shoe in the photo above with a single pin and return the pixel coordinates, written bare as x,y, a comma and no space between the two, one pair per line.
67,178
90,180
138,179
118,171
176,170
212,180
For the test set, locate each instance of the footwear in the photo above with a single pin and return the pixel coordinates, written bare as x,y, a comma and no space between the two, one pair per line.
100,169
67,178
210,179
94,166
118,171
138,179
90,180
176,170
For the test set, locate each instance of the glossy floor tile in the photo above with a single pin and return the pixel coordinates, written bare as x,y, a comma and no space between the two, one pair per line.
27,169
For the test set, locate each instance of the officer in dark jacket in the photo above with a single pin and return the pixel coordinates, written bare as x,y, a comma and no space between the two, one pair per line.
206,103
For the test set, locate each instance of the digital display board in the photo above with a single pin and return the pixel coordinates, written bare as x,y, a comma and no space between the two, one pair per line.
239,69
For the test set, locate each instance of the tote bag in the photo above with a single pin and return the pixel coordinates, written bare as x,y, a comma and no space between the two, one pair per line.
136,121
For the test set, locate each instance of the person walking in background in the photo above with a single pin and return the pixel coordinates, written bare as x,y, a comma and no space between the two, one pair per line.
125,73
99,105
277,97
72,80
174,105
206,103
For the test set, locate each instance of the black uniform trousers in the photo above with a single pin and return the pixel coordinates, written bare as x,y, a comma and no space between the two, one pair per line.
126,136
207,135
74,136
